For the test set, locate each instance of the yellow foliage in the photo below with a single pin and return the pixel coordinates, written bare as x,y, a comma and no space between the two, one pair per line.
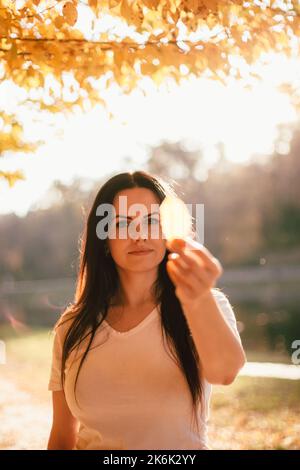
40,39
11,177
70,13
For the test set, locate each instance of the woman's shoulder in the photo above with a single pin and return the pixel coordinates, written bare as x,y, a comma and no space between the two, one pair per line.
64,321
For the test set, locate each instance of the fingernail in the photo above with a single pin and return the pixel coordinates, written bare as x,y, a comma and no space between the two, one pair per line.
177,243
193,244
173,256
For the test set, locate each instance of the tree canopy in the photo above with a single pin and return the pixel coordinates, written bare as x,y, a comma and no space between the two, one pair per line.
45,50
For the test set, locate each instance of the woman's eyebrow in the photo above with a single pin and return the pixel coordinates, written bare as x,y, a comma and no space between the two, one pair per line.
128,217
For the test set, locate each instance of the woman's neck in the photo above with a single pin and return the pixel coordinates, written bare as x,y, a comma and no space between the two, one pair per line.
135,289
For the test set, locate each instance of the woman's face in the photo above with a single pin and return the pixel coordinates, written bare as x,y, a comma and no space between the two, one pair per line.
136,229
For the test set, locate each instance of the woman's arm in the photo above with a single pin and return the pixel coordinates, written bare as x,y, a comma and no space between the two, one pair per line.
220,351
194,273
64,426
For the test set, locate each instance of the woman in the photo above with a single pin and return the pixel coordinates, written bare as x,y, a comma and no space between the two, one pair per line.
135,355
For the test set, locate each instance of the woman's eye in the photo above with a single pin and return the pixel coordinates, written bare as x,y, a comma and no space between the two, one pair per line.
124,223
156,221
121,224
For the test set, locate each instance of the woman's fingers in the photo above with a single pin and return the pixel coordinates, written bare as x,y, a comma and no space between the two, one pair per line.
182,288
195,278
192,268
193,254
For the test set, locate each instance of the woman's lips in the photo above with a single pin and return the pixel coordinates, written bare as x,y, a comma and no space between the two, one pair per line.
140,253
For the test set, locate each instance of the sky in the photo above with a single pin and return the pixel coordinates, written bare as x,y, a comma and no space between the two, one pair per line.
200,112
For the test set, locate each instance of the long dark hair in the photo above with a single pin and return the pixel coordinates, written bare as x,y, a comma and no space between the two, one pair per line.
98,281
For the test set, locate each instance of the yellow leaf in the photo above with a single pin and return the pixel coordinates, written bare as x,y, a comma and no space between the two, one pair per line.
147,68
151,4
113,3
176,219
127,11
17,130
12,178
70,13
138,15
59,21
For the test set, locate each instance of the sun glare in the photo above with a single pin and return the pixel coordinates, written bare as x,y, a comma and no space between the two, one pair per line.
200,111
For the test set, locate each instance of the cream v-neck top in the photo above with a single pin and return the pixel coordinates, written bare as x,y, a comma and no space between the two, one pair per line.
130,392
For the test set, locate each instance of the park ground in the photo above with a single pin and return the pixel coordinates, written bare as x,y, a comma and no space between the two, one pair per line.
251,413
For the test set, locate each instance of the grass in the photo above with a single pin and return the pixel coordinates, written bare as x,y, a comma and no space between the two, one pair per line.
28,359
251,413
256,413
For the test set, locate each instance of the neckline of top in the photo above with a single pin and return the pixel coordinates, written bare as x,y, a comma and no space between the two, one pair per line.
136,328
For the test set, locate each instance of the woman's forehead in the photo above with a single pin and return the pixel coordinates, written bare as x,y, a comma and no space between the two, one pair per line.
129,200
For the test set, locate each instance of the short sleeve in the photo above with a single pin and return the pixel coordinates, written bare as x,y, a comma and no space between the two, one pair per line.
207,393
54,383
227,311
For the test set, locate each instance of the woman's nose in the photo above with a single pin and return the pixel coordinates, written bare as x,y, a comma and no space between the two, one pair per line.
137,231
